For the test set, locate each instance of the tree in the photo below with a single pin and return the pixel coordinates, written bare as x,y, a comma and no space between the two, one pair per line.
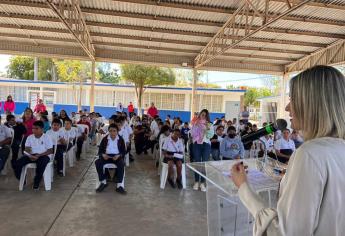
142,76
252,94
46,69
74,71
21,67
107,74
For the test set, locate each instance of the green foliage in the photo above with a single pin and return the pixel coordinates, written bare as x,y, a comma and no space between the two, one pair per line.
73,70
142,76
45,69
252,94
21,67
108,75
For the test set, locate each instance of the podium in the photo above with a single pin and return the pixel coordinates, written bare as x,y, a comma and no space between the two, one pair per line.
226,215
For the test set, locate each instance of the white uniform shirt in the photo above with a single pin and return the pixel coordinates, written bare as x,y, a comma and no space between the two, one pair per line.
172,146
124,134
112,147
5,133
39,145
285,144
269,144
55,135
70,134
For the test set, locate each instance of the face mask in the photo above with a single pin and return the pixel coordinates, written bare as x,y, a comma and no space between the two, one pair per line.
232,135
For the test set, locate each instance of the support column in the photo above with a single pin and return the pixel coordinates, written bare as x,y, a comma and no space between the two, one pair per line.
281,113
193,97
36,69
92,89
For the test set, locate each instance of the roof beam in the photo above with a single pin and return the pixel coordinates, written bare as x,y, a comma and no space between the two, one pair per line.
197,22
220,43
263,49
139,28
68,11
170,49
333,54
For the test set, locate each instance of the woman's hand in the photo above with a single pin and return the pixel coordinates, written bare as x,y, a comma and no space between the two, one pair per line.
238,174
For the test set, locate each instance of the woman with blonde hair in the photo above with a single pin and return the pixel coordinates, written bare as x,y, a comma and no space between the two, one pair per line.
312,192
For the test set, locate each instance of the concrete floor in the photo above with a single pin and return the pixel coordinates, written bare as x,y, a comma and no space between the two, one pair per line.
72,207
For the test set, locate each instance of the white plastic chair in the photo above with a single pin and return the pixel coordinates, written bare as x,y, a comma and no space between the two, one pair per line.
7,164
48,174
69,156
165,170
160,154
111,166
86,143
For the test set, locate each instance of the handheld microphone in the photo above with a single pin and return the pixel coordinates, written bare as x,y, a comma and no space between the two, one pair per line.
280,124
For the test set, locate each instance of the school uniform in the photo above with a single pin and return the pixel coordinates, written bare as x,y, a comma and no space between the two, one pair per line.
38,146
111,148
5,133
172,147
215,152
60,147
286,147
19,131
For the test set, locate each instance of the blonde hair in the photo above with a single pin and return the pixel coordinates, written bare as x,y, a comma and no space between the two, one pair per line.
318,102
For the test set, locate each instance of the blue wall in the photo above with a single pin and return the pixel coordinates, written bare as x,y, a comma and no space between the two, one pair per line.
108,111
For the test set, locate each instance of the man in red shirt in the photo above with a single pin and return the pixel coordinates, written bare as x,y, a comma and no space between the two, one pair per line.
40,107
130,109
152,110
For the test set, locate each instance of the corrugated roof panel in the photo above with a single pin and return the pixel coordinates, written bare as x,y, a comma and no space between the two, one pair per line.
149,51
214,3
305,26
146,43
137,33
27,10
320,13
278,46
156,10
248,59
265,53
27,22
27,33
294,37
150,23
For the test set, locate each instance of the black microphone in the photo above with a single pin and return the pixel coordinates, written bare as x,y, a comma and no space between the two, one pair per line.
280,124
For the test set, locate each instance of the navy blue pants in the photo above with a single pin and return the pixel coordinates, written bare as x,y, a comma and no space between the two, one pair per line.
201,153
41,164
120,170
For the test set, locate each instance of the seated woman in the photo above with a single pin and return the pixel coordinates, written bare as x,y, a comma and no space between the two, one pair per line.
284,147
111,150
173,154
231,147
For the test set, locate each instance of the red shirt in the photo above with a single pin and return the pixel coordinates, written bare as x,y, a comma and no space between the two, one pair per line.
130,108
40,108
28,125
152,111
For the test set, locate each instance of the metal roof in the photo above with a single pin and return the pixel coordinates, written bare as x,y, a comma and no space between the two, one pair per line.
175,32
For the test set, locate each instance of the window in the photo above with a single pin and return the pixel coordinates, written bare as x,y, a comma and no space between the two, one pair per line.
213,103
104,98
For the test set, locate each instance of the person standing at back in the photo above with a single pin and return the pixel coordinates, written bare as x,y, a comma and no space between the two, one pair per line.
152,111
9,105
130,109
40,107
202,131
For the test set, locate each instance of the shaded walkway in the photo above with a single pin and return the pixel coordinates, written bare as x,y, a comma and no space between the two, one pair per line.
73,207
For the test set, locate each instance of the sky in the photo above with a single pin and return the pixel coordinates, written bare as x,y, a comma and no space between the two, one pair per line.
220,78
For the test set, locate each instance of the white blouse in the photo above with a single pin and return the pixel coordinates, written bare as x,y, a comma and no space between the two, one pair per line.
311,197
